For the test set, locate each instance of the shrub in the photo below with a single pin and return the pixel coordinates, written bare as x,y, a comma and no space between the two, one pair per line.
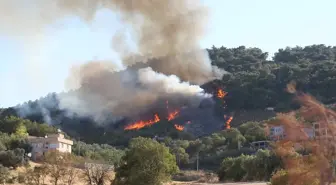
280,178
258,167
21,178
209,178
4,174
13,158
187,176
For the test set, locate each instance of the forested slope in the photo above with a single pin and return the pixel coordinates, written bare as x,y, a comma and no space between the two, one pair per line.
254,82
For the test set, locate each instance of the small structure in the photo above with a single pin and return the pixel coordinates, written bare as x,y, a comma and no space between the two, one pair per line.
256,145
41,145
269,109
278,132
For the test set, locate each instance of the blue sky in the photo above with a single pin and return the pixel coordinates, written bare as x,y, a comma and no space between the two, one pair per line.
266,24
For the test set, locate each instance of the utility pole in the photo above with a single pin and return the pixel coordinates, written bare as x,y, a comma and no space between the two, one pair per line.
79,147
197,163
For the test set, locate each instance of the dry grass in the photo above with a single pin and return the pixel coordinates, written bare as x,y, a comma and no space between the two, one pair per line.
23,170
196,176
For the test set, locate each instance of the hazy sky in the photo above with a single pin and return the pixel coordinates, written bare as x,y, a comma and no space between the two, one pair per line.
267,24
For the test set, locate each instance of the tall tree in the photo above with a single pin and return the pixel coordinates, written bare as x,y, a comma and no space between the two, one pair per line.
147,162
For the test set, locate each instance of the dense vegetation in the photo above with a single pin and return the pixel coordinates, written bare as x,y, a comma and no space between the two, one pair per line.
254,83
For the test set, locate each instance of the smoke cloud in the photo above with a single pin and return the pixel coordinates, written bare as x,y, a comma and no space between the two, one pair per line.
165,40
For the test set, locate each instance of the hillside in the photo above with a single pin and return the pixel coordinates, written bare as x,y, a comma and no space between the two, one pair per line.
253,83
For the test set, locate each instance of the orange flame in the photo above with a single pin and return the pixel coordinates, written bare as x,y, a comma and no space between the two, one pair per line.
228,126
221,94
141,124
172,115
179,127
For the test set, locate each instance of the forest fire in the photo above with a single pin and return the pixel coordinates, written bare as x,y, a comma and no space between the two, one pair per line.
221,94
141,124
172,115
228,126
179,127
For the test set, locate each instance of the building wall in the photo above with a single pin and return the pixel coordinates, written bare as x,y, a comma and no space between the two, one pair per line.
64,147
279,132
42,145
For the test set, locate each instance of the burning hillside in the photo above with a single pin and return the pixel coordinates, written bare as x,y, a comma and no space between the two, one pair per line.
164,60
172,115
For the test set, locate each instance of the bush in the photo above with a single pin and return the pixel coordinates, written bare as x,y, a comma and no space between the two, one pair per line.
187,176
13,158
12,180
280,178
209,178
21,178
199,176
258,167
4,174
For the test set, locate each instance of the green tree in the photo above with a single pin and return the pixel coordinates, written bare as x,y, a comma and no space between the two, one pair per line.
234,139
181,155
13,158
21,130
252,131
147,162
258,167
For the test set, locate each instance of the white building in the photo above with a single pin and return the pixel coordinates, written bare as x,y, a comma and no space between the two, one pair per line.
278,132
53,142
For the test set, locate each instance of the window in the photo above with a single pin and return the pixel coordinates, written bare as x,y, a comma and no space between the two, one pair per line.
53,145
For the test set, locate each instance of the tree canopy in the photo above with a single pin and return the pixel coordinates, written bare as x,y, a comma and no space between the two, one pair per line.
147,162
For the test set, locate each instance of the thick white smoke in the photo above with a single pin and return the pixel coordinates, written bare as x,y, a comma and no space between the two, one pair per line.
170,84
166,34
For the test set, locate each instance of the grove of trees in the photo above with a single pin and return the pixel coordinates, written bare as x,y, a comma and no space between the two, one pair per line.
254,82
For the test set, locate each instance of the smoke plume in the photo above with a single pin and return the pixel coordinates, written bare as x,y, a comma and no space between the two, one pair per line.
166,36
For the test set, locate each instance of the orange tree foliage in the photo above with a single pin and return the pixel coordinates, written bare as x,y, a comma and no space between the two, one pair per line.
316,164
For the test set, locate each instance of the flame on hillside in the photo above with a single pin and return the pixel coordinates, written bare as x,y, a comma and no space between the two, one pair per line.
221,94
228,126
179,127
141,124
173,115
